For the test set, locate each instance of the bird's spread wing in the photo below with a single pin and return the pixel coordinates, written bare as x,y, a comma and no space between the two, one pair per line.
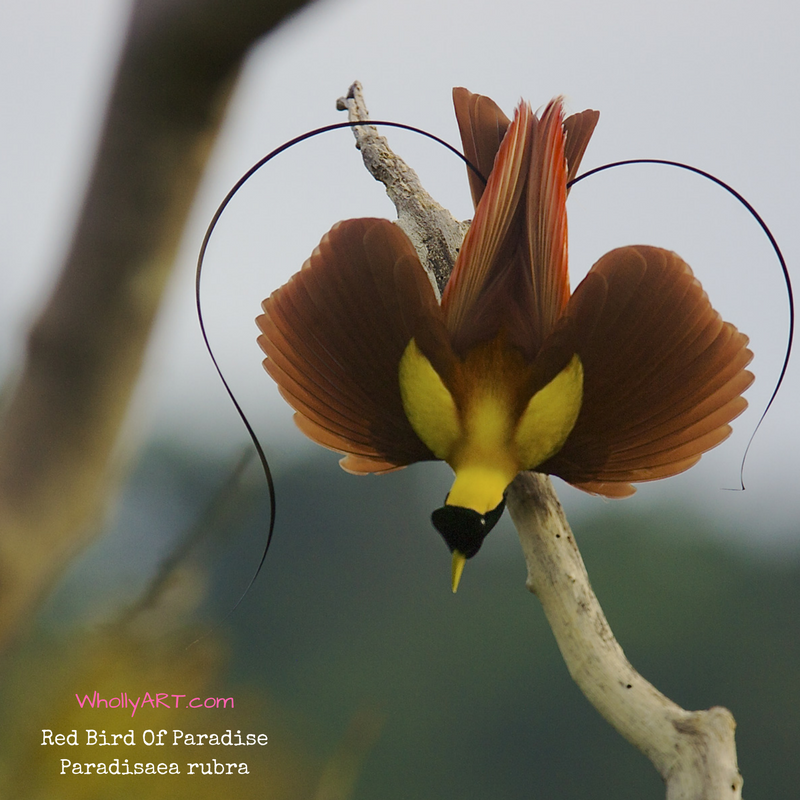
334,336
663,374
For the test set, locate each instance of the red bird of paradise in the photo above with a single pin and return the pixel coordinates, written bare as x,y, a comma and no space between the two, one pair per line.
630,378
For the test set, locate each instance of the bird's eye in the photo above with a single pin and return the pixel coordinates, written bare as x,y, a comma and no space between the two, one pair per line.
464,529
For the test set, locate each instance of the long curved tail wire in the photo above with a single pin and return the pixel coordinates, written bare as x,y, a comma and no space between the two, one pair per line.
353,124
787,279
198,275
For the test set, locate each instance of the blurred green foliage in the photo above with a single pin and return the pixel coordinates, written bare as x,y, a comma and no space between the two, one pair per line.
353,611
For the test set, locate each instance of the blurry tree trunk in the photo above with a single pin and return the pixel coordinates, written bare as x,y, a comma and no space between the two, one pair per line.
59,427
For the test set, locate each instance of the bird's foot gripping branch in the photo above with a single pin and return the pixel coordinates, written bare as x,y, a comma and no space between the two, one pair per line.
399,343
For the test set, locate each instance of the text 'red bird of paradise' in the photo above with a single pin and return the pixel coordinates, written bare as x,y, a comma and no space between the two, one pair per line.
630,378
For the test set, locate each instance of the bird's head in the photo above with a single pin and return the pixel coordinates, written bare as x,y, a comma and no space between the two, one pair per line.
464,530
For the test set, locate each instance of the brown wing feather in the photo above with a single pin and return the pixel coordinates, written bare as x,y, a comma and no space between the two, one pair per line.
511,272
334,336
546,222
476,292
578,129
663,374
482,126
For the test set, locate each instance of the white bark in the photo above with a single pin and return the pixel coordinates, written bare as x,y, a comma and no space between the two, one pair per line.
435,233
693,751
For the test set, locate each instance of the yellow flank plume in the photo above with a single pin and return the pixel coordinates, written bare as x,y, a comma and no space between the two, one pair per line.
550,416
428,404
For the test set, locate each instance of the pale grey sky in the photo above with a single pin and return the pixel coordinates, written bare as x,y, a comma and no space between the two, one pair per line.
704,81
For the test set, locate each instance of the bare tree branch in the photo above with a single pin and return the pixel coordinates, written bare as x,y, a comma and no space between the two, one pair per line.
435,233
179,64
693,751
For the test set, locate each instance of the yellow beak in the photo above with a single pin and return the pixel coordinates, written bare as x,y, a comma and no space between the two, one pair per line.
459,559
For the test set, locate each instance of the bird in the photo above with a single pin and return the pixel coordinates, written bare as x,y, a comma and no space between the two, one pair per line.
629,378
